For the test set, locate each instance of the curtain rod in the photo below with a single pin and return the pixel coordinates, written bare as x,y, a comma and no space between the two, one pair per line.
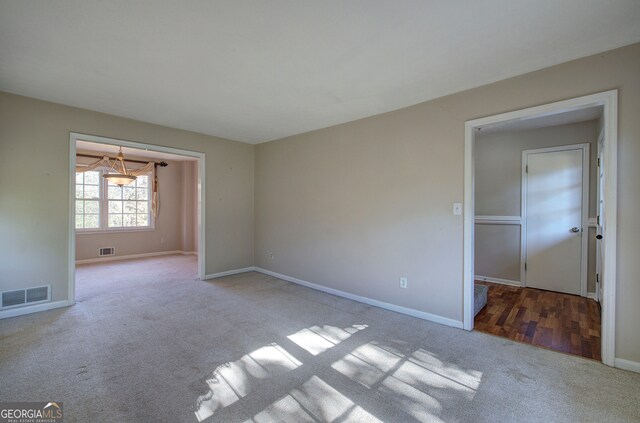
161,164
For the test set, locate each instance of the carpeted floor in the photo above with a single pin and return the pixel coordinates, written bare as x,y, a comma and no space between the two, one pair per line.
156,345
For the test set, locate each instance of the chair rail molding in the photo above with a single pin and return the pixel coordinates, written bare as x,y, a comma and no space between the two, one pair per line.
498,220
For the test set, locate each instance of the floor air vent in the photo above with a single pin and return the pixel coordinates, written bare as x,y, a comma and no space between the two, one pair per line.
28,296
106,251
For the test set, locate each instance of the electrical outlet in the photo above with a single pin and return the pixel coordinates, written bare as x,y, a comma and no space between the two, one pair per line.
271,256
403,282
457,209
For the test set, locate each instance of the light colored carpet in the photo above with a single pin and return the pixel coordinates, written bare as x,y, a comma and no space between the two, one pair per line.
155,344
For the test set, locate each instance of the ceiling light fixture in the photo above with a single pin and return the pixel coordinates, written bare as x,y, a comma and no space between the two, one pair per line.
121,178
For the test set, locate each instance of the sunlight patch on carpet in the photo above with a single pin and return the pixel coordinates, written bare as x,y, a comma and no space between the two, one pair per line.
314,401
234,380
316,340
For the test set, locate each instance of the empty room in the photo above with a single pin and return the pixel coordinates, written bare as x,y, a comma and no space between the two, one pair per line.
319,211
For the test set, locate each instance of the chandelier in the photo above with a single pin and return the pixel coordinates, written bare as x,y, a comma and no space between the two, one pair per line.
120,176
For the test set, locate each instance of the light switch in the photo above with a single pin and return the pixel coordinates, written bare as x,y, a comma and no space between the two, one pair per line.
457,209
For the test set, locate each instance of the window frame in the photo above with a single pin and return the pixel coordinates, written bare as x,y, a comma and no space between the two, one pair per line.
104,210
83,199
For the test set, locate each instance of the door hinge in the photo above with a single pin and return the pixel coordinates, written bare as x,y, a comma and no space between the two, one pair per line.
597,277
525,266
598,220
526,168
598,161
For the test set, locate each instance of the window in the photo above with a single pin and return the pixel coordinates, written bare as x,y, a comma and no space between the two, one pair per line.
102,205
88,200
129,204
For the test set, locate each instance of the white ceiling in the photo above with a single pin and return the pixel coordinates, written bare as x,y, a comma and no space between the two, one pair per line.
255,70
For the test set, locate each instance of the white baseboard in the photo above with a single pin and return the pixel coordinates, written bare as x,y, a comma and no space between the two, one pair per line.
130,256
189,253
398,309
498,280
230,272
591,295
632,366
19,311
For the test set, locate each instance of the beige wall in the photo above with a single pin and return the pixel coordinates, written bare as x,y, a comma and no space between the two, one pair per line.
355,206
352,207
175,225
34,208
189,202
498,161
498,179
497,251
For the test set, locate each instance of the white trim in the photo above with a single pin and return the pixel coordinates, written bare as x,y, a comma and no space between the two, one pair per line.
584,221
13,312
133,144
498,220
523,214
609,101
609,224
73,137
189,253
230,272
591,295
202,203
498,280
387,306
549,109
71,260
584,230
468,232
95,231
130,256
632,366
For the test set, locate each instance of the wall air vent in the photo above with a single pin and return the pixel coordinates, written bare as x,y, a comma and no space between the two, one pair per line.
106,251
13,298
27,296
38,294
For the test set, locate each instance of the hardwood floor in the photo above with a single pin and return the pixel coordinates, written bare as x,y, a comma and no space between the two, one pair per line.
561,322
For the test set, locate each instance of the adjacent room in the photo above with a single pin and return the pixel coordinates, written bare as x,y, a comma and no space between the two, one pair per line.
129,204
335,211
538,252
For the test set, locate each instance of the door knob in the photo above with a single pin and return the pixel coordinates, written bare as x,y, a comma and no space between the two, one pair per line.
575,229
598,236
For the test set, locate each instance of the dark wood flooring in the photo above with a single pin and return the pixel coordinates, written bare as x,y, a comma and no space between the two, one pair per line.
561,322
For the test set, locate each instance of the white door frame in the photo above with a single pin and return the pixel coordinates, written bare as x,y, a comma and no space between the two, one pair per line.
597,223
73,137
609,101
584,221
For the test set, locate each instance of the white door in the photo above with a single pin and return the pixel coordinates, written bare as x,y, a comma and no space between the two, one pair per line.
553,219
599,222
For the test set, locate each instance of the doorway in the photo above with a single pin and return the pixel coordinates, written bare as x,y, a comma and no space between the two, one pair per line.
607,279
151,151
